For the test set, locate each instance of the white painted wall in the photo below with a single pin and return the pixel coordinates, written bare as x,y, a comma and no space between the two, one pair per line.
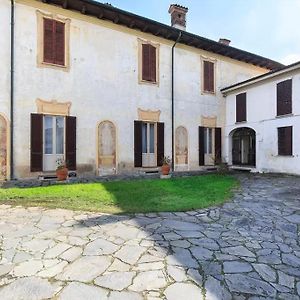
5,57
102,84
261,116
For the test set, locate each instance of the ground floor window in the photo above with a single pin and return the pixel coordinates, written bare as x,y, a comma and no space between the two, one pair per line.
285,141
54,141
52,138
148,145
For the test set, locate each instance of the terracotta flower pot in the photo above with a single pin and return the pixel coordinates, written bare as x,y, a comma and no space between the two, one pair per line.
62,174
165,169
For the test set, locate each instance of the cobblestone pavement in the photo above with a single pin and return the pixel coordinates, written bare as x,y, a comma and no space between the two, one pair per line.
247,249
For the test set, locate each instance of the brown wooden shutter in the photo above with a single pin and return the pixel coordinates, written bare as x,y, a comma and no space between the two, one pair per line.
160,143
218,145
148,62
36,142
49,48
201,146
59,43
152,63
241,107
71,142
209,76
284,97
285,140
138,143
145,62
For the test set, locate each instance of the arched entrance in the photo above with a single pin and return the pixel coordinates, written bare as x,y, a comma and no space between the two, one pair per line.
244,147
106,148
3,148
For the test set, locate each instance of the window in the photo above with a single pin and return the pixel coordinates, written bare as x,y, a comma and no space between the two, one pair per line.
208,136
284,97
54,42
208,76
285,141
148,62
53,35
241,108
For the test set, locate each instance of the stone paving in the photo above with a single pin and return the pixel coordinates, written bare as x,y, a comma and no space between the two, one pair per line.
247,249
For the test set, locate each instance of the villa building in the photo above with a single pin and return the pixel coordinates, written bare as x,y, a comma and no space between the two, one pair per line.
112,92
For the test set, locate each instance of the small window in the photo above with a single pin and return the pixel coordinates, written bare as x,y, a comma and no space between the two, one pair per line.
149,62
54,42
241,107
284,97
208,76
285,141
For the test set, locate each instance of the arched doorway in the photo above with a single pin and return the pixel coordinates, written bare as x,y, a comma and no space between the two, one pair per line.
3,148
244,147
106,148
181,145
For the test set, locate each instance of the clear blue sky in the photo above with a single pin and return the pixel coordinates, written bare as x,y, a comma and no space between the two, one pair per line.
266,27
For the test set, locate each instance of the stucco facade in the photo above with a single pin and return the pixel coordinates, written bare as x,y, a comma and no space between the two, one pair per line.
262,118
101,83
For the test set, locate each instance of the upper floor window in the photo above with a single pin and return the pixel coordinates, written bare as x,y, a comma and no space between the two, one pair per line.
54,42
148,63
241,107
285,141
284,97
208,76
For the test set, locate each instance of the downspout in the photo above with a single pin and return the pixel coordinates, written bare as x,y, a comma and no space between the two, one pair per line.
173,104
12,46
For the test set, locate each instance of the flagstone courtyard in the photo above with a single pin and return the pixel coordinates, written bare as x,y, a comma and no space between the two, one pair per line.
248,248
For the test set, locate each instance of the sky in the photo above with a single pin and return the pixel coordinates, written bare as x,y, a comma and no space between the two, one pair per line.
270,28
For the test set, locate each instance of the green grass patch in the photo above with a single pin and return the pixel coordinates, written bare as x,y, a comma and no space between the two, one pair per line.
155,195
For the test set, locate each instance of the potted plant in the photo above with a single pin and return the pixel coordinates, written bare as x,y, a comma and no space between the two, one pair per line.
165,169
61,169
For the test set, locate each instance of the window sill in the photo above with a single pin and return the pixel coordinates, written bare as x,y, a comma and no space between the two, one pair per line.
64,68
284,116
285,155
240,122
148,82
208,93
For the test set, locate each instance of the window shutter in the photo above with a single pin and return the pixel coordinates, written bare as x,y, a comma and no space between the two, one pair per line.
201,146
71,142
160,143
145,62
49,40
289,140
152,63
209,76
59,43
148,62
218,145
36,142
284,97
285,140
138,143
241,108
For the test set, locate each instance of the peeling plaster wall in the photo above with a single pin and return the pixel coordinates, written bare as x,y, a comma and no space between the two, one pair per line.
102,84
261,116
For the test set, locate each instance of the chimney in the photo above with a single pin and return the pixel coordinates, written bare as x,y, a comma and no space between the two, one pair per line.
224,41
178,16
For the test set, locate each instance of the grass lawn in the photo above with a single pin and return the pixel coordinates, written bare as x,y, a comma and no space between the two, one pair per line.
178,194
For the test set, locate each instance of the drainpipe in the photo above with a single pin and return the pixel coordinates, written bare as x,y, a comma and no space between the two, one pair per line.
173,106
12,46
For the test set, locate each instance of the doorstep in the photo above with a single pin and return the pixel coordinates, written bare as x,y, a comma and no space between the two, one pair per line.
250,169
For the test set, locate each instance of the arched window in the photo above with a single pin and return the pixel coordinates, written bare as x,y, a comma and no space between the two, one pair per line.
181,145
106,148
